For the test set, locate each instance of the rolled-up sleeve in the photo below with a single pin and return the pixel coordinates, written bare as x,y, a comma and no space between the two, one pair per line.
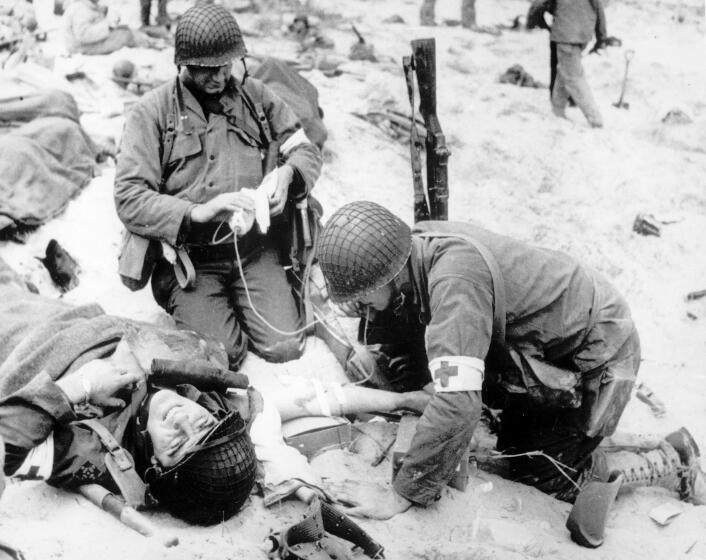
139,204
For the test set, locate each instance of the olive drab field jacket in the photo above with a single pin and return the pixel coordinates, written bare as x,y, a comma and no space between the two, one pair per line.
221,154
576,21
569,341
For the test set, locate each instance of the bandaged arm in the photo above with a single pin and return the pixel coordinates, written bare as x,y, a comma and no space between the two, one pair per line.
459,332
280,461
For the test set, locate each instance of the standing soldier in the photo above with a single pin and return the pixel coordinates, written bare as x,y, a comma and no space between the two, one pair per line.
192,152
526,329
574,24
162,17
468,13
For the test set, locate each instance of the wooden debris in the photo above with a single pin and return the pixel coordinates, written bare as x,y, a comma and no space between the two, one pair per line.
646,224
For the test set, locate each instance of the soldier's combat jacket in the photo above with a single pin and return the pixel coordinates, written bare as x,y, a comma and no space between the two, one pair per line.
576,21
212,154
570,343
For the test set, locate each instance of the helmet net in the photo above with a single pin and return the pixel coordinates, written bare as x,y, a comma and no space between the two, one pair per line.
362,247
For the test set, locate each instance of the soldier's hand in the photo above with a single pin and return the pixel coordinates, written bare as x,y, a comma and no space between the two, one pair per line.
365,363
368,499
97,382
278,199
598,48
222,206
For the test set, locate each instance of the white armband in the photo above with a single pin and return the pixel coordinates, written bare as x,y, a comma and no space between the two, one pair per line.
296,139
39,463
457,373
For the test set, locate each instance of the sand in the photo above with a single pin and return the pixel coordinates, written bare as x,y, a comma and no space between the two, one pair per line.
514,168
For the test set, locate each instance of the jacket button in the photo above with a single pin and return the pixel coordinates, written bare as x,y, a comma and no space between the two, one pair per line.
210,184
211,157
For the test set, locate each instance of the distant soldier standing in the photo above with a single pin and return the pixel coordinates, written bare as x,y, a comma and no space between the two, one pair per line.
575,23
468,13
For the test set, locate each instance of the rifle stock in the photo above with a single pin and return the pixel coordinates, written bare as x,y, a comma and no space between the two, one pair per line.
424,60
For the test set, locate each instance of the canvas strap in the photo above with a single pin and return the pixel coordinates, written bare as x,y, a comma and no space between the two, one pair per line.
120,465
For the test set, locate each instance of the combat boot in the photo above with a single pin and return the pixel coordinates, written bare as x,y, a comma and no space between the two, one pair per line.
693,482
657,467
673,465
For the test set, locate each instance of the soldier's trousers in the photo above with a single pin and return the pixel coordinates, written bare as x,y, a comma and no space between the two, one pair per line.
218,306
571,83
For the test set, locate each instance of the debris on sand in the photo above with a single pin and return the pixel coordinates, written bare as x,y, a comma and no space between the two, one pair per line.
518,76
62,267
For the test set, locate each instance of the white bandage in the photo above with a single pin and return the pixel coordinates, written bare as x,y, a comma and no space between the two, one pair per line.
261,199
457,373
321,397
296,139
340,398
39,463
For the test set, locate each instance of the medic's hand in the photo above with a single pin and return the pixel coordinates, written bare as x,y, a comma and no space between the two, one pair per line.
99,380
366,362
369,499
278,199
222,206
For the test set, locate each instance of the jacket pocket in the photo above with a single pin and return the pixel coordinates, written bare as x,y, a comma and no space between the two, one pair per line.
186,147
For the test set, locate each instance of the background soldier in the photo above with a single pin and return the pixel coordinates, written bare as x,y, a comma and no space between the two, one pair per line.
468,13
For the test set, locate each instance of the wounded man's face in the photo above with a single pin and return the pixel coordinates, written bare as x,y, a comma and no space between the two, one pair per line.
176,424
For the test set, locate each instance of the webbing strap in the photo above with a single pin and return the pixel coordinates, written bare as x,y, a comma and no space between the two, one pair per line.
184,270
499,302
120,465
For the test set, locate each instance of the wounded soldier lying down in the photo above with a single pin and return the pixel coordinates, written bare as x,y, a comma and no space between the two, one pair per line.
74,395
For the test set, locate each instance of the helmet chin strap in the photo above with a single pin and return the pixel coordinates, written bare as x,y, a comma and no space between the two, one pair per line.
399,297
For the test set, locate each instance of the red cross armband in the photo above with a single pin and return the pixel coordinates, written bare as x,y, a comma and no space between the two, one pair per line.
457,373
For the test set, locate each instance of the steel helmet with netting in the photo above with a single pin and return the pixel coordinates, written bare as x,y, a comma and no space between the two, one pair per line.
213,481
362,247
207,35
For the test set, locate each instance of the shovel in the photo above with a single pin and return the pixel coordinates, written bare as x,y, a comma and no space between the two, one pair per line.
620,104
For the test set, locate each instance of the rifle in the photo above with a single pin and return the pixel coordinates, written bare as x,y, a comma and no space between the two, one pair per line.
424,64
421,208
203,375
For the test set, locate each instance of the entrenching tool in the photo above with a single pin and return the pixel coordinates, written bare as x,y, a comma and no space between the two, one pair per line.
620,104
